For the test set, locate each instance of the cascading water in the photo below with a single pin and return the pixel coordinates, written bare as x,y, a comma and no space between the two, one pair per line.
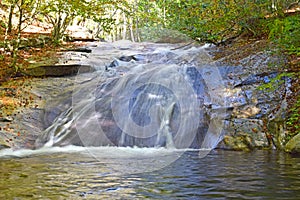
155,97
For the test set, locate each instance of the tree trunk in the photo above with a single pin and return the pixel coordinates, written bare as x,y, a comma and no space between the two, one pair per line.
131,31
137,34
9,23
17,45
9,28
114,37
164,13
124,27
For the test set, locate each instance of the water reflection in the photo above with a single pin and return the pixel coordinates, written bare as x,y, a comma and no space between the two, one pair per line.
220,175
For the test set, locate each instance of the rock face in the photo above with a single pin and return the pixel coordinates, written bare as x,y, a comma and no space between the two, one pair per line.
22,127
258,117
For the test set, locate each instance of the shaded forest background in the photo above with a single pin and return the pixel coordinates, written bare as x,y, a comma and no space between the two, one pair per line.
220,22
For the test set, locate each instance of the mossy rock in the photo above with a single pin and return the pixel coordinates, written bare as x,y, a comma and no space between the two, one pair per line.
293,146
239,143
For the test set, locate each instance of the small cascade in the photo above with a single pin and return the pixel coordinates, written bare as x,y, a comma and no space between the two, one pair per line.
157,97
164,136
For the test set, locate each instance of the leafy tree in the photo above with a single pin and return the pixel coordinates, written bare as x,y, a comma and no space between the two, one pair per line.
285,33
25,11
217,21
60,14
107,14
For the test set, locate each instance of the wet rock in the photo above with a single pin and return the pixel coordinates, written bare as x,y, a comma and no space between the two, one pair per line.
247,111
114,63
245,134
238,143
3,143
258,79
6,119
125,59
81,49
293,146
276,124
58,70
130,58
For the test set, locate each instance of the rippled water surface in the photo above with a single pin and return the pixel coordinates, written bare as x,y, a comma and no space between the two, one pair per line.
129,173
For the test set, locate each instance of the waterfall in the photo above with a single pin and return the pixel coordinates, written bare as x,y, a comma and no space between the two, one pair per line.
159,96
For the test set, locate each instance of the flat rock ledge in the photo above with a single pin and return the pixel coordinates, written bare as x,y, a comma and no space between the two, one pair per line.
58,70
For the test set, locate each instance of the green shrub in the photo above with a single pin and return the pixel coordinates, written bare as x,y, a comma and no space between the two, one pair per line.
285,33
2,24
293,121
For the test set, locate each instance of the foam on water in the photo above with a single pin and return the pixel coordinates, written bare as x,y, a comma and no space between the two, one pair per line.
102,152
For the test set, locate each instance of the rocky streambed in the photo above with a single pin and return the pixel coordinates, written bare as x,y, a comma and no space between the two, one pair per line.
252,116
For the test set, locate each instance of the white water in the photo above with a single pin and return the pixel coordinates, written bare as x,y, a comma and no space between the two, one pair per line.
107,152
120,160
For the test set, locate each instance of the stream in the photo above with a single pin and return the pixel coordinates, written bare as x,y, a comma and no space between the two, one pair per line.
72,173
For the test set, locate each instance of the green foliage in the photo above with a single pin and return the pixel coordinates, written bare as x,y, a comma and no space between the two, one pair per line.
60,14
285,32
293,121
153,13
215,21
2,24
102,12
209,21
276,82
162,35
2,44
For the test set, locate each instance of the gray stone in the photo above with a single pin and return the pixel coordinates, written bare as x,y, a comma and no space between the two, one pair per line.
245,134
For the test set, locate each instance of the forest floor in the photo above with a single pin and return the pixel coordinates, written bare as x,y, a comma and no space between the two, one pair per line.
15,89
